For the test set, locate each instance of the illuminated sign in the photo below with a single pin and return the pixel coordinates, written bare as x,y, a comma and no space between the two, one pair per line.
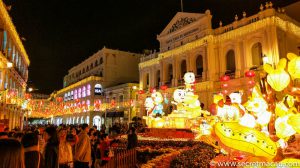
98,89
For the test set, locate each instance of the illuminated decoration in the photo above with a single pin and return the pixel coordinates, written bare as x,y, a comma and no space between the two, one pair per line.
188,108
250,74
88,90
277,78
189,79
164,87
245,139
141,92
158,107
258,107
294,65
224,85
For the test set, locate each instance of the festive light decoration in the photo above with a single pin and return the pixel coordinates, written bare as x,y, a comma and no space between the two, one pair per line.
278,79
248,140
294,65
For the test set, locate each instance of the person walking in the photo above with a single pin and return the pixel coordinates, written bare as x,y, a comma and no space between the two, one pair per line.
82,156
132,138
30,143
51,148
65,150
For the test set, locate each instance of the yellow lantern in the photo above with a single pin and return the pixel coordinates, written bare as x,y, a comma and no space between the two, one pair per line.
294,65
277,78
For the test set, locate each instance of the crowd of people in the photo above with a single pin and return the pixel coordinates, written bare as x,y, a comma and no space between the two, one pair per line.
61,146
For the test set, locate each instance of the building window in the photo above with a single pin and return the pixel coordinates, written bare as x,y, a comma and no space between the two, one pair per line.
101,74
87,68
83,71
83,91
257,54
88,90
183,68
96,63
101,60
72,95
92,65
199,65
121,98
75,94
79,93
4,43
230,62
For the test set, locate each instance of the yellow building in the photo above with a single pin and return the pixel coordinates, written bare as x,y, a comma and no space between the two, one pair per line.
14,64
99,88
189,43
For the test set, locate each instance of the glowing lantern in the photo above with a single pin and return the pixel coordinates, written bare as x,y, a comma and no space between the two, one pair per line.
164,87
141,91
294,65
59,99
250,74
278,78
225,78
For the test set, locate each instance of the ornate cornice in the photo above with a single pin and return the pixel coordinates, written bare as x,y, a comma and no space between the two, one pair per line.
149,63
12,31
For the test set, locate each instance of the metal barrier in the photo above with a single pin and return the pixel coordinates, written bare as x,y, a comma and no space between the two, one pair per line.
122,159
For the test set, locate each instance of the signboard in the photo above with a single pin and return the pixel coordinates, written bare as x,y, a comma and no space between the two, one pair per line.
98,89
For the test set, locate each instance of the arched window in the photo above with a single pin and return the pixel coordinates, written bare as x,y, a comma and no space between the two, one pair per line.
101,60
96,63
157,78
147,79
199,65
88,90
183,67
230,62
170,73
92,65
101,74
87,68
256,51
121,98
83,91
83,71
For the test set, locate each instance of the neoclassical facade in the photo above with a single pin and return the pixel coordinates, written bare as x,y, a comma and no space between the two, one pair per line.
189,43
14,64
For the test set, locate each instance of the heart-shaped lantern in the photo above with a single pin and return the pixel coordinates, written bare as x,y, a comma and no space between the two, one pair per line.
277,78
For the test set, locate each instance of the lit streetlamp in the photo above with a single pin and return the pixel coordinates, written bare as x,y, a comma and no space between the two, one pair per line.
130,100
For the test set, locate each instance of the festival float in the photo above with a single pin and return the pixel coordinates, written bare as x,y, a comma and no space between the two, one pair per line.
263,128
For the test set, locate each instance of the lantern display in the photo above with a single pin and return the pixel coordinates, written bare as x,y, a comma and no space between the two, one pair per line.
294,65
278,78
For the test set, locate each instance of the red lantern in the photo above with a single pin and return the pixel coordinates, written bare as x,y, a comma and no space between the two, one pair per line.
27,96
152,90
164,87
225,78
250,74
141,91
77,100
59,99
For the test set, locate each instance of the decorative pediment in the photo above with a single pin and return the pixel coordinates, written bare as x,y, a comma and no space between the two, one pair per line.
181,23
180,20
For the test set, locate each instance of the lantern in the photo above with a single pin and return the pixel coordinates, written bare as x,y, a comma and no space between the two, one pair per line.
164,87
59,99
278,78
141,91
294,65
250,74
225,78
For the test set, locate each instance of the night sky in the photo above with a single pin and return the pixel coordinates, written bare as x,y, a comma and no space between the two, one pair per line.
62,33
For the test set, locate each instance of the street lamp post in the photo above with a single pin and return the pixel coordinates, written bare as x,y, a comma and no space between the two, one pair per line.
130,98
